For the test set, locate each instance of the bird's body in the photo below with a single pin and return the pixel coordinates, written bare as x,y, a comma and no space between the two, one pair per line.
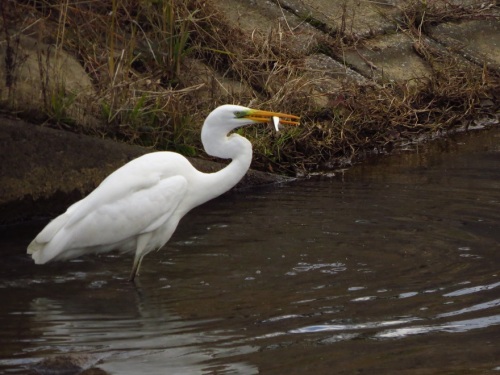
138,207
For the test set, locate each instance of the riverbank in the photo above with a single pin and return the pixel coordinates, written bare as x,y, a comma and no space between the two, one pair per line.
366,78
44,170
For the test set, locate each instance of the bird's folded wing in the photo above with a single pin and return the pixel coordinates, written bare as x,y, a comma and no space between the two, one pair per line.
125,216
115,187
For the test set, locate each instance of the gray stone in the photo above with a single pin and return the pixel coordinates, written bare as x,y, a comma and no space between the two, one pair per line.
44,81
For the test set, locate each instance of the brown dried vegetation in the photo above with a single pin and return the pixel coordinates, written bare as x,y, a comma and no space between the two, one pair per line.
140,57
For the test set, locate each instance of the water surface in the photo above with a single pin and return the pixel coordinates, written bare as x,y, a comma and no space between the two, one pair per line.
391,267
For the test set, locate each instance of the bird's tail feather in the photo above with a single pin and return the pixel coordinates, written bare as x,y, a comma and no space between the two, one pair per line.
37,247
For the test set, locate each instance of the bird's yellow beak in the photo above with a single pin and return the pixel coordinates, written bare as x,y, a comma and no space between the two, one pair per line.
266,116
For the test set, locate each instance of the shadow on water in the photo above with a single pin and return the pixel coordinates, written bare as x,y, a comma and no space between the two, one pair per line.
386,268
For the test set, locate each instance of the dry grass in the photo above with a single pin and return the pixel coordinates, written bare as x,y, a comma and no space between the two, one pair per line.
136,52
420,15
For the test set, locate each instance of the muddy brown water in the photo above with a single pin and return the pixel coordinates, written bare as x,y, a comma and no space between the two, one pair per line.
393,267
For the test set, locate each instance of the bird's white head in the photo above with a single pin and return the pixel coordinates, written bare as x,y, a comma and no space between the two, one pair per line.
228,117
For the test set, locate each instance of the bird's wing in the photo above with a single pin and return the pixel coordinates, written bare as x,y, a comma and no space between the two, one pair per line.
139,174
115,187
125,216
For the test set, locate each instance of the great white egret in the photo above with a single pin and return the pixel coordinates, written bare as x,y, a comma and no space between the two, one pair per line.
137,207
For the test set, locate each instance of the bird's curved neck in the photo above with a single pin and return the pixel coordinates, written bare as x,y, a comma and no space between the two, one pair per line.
234,147
238,149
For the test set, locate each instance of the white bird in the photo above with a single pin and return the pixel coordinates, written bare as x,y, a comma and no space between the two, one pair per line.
137,207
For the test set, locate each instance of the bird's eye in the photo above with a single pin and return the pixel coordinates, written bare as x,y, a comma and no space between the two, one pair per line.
240,114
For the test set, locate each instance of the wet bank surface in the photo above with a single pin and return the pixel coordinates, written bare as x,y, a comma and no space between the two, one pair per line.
387,268
43,170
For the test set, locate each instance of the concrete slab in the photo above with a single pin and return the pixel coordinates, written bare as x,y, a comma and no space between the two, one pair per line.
214,86
329,67
476,40
354,18
259,18
387,58
327,78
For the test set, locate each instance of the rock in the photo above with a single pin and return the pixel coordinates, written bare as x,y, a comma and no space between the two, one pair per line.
68,364
44,81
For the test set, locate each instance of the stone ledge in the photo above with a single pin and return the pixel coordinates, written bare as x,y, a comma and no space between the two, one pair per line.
43,170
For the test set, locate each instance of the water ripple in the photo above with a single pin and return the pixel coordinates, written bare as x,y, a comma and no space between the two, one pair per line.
353,327
452,327
474,289
480,306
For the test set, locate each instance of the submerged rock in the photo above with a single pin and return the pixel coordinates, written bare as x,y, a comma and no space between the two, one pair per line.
68,364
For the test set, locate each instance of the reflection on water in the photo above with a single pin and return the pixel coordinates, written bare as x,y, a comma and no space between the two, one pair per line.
385,268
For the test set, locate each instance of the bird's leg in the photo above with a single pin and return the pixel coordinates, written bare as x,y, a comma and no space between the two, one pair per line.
135,267
142,241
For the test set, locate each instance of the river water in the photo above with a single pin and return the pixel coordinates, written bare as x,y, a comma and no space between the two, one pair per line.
390,267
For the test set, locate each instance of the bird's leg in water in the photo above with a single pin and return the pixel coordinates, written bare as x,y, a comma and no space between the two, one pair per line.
135,267
142,241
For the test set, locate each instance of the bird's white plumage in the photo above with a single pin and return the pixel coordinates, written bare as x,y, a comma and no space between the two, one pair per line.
135,199
137,207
